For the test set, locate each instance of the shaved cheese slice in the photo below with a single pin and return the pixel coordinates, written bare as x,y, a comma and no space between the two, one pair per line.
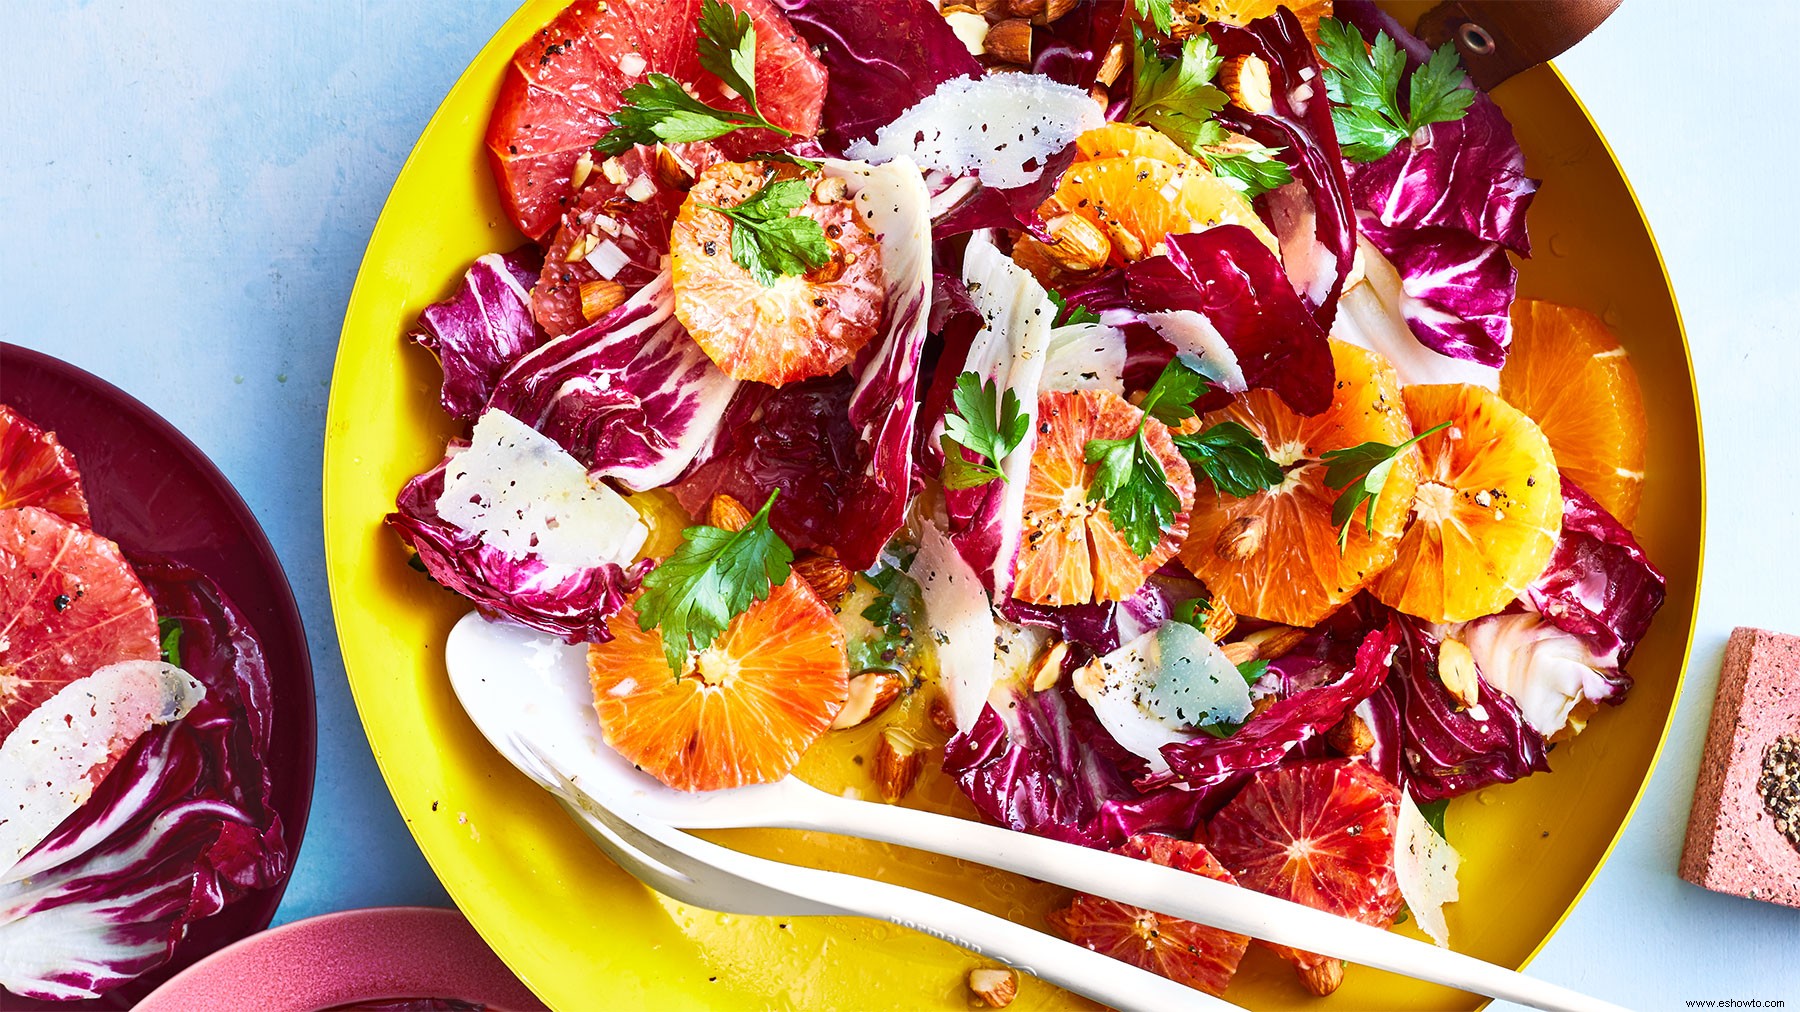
1086,356
1425,865
518,491
1151,691
61,751
1369,316
1004,128
961,621
1545,670
1200,344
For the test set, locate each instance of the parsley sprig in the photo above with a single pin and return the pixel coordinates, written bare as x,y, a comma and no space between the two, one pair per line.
1160,12
660,109
768,239
1232,457
1361,471
1364,85
891,612
169,638
1067,315
1178,98
715,576
985,421
1130,480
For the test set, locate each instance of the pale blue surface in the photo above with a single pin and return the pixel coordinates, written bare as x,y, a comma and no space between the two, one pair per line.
188,187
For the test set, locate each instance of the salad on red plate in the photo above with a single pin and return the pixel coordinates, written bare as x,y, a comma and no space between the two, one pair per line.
1124,408
134,709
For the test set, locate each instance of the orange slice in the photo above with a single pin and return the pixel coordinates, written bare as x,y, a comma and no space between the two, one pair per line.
1138,201
1071,553
1128,140
1571,376
745,709
1487,511
803,325
1275,555
1190,15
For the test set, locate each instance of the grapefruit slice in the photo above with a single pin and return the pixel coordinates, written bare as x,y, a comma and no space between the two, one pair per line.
1275,555
747,707
1195,955
561,85
1487,511
1571,376
36,470
69,605
1319,833
1070,552
803,325
1137,201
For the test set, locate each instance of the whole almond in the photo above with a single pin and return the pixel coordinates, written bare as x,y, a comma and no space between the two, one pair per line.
1276,641
1456,669
897,765
870,693
1111,65
1240,539
1010,41
1324,978
1053,9
995,987
1049,667
1076,244
1351,736
726,513
1246,80
1026,8
599,298
1239,652
829,578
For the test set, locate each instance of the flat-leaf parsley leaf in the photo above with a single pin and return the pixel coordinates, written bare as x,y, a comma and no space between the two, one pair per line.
1361,471
1232,457
768,239
1363,83
985,422
1130,480
715,576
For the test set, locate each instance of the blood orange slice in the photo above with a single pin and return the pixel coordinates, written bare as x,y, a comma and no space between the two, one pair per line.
1138,201
69,604
1193,954
1275,555
1319,833
801,326
1071,552
1487,512
1568,372
745,709
36,470
561,85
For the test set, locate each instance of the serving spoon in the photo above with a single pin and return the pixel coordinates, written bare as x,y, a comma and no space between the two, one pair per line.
517,684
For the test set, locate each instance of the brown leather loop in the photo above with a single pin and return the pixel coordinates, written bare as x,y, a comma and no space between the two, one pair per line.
1499,38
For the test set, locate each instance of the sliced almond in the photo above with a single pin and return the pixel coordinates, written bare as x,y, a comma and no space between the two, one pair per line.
1053,10
599,298
1246,80
1111,65
1048,669
995,987
830,189
829,578
1351,736
897,765
581,247
672,169
1324,978
727,514
584,167
1240,539
1276,641
1456,669
1010,41
614,171
870,693
1129,246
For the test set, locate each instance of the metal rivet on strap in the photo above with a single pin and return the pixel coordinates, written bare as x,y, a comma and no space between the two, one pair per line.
1474,39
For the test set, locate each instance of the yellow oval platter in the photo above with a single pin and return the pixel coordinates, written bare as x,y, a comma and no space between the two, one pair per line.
583,934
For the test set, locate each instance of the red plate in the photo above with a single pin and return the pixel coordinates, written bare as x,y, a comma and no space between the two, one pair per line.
150,489
390,958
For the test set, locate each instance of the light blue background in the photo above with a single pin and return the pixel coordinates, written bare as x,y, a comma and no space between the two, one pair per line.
186,187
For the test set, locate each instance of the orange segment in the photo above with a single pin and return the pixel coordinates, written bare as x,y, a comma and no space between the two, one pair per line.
1571,376
1487,512
803,325
1128,140
745,709
1288,568
1190,15
1071,553
1138,201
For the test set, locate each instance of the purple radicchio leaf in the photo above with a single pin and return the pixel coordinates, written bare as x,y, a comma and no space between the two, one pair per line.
1271,736
1599,585
1312,216
632,396
1468,174
566,601
483,329
181,828
1458,289
1429,744
1100,626
1050,769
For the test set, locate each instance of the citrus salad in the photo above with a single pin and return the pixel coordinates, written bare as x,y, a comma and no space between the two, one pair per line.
1120,411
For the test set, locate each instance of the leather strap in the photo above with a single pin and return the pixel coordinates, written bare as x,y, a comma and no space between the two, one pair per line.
1499,38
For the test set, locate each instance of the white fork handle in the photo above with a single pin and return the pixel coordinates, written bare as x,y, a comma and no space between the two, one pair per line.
1179,894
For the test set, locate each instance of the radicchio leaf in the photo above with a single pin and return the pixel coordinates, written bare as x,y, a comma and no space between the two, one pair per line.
566,601
1051,770
1458,289
182,826
482,330
632,396
1100,626
1599,585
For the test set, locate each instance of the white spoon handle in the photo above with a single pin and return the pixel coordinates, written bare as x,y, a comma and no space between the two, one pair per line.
1180,894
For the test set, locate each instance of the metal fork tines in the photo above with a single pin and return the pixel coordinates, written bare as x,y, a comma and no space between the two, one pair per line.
704,874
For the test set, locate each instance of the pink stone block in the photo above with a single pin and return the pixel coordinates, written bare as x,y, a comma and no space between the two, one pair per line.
1732,843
